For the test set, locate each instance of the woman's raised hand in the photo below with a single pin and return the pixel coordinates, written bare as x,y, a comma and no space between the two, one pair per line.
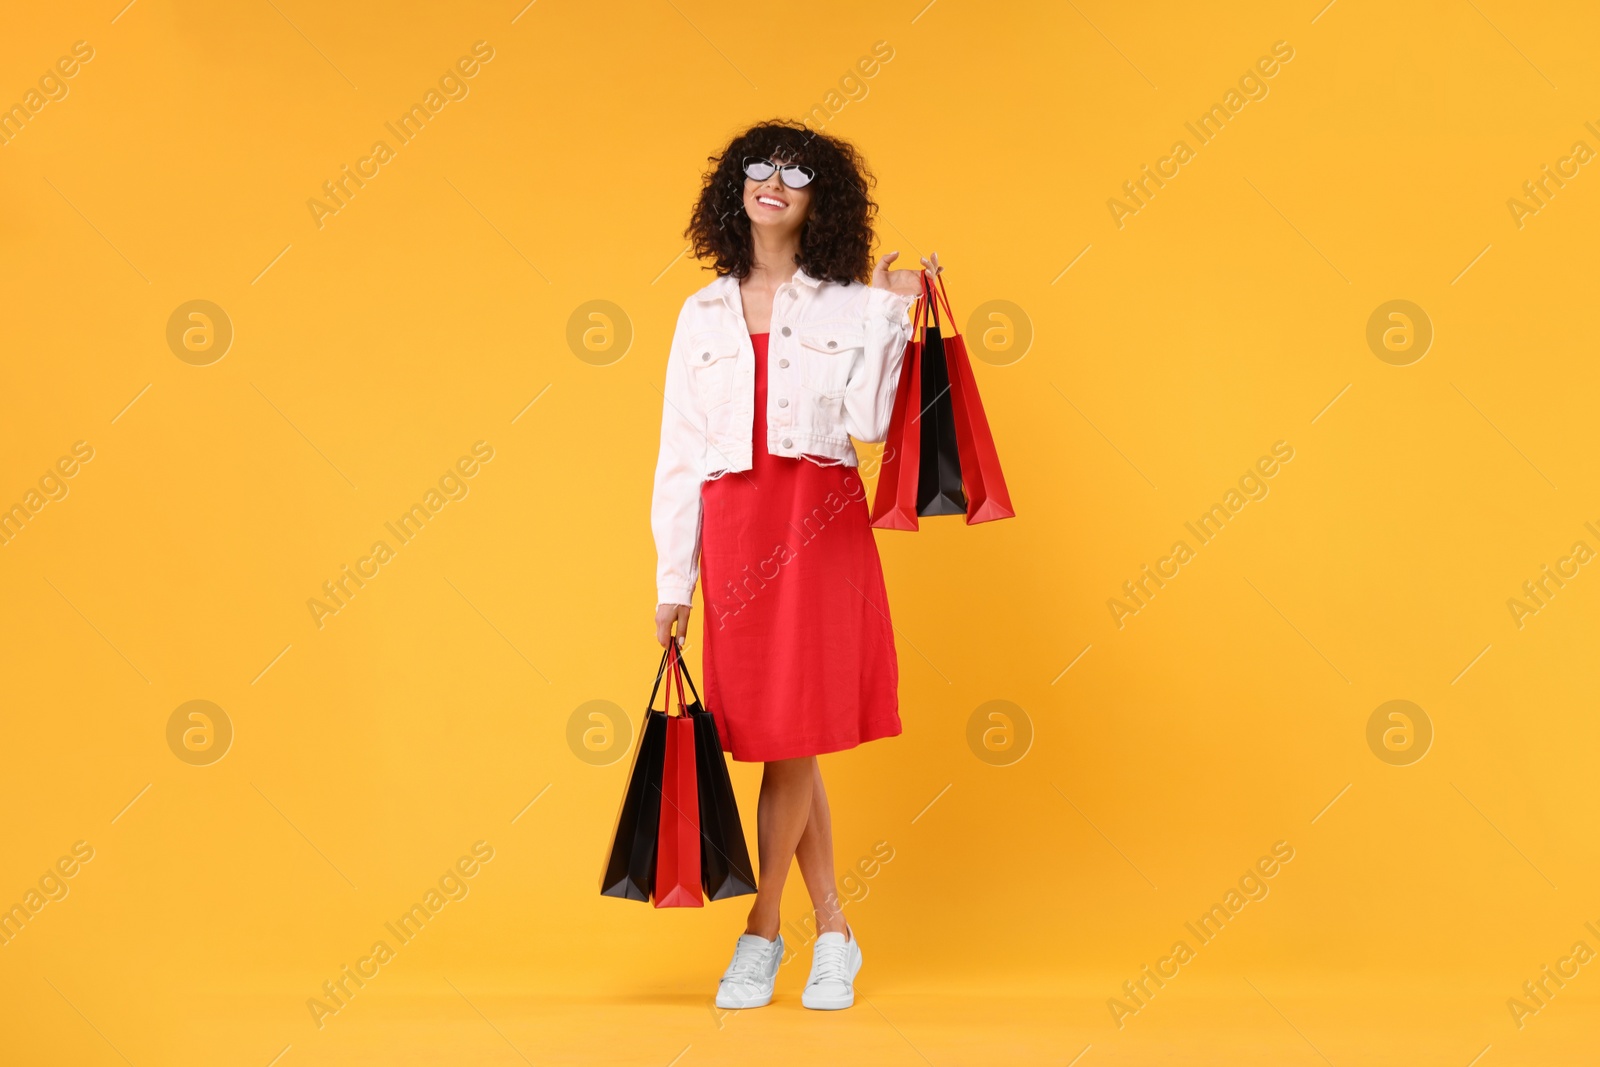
666,616
905,282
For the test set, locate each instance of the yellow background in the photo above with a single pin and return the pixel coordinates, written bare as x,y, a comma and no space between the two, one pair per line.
369,354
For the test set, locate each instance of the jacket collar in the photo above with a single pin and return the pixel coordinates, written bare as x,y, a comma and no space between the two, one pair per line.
726,287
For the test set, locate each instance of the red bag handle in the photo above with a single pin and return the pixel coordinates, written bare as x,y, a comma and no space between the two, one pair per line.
672,660
955,331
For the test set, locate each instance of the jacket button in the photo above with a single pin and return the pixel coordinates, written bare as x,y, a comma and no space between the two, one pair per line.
786,331
783,363
784,402
787,443
705,356
833,344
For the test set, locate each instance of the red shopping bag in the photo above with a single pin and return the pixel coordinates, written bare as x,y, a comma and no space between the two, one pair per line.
677,879
895,507
906,476
987,496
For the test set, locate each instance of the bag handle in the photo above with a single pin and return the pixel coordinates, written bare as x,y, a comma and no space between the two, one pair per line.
674,655
661,672
682,670
955,331
933,303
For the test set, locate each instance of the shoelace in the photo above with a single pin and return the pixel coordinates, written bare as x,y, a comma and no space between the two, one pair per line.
746,965
829,963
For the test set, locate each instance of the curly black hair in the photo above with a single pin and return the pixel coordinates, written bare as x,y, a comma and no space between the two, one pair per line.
836,239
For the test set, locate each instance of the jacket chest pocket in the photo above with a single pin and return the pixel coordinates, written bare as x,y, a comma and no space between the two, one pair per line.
826,355
713,358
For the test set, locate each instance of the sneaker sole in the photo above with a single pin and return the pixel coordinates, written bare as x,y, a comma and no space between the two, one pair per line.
742,1002
818,1004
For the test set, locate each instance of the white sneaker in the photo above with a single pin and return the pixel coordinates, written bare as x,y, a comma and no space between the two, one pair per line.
834,964
748,981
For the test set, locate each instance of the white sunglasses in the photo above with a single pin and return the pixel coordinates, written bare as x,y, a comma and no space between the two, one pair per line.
791,174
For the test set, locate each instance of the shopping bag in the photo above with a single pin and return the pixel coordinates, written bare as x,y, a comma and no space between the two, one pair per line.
895,506
725,869
939,476
630,866
987,496
939,456
677,882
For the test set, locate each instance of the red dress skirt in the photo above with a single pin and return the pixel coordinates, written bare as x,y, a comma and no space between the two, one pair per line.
799,654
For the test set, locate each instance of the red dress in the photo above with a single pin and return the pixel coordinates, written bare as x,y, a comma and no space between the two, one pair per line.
799,654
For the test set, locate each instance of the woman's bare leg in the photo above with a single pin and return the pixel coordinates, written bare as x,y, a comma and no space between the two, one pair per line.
782,814
815,854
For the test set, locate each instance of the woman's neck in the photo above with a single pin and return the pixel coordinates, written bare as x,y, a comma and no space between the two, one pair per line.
773,258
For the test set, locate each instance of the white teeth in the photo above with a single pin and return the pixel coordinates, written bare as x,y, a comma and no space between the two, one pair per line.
769,200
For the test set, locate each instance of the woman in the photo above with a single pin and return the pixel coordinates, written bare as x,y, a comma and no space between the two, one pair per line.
774,366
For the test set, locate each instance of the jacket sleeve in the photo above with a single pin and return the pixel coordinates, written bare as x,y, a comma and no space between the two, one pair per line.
675,509
869,395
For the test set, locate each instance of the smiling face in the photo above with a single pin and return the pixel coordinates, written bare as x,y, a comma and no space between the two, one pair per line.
772,203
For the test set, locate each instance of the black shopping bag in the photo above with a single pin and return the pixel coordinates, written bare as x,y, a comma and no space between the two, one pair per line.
725,869
631,866
939,475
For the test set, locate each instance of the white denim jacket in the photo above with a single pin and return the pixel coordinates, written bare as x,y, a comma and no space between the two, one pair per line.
833,363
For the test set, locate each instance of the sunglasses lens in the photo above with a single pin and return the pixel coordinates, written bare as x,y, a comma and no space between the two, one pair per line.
758,170
795,177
